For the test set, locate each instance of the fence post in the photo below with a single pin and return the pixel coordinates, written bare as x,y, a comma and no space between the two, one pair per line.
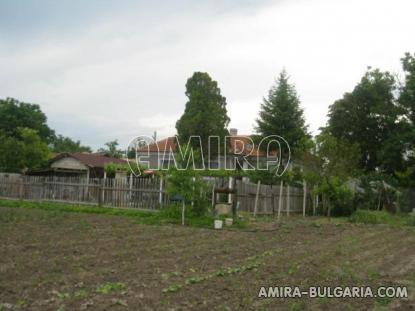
256,197
280,199
43,192
161,191
230,183
101,192
130,199
272,202
304,196
288,200
21,185
87,185
213,196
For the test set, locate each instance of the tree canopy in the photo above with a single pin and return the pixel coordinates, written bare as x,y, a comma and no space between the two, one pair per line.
66,144
25,151
26,139
15,114
205,113
282,115
369,116
111,148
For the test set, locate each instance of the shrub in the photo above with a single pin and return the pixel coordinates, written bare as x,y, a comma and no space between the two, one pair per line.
338,195
371,217
190,188
382,217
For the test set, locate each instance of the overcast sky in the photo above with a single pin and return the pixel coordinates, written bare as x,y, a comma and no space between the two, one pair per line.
104,70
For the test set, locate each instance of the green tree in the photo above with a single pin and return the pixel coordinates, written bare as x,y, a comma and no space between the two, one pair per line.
15,114
26,151
112,149
406,175
407,95
281,114
66,144
339,162
369,116
205,113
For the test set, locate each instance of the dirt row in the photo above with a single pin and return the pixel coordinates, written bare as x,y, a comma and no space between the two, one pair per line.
68,261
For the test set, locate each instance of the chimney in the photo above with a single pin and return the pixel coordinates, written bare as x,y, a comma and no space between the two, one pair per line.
233,132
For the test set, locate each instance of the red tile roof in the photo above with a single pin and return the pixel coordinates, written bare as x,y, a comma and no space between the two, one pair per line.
90,159
239,144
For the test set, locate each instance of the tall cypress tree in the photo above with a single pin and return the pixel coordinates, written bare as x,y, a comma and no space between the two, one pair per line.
205,113
281,114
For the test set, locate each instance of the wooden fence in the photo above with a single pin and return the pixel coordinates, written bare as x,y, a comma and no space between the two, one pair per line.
268,198
148,193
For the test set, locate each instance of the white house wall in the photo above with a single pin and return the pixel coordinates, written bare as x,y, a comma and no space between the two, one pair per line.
69,164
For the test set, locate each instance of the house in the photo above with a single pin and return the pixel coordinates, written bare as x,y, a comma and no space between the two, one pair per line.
78,164
241,153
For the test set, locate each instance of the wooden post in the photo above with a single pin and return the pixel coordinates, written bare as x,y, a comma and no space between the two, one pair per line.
317,203
256,197
213,197
230,187
101,191
161,191
288,200
272,202
183,208
43,190
304,196
87,185
280,199
235,204
21,185
131,190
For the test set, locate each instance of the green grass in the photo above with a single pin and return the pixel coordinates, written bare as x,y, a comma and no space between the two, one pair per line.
381,217
167,215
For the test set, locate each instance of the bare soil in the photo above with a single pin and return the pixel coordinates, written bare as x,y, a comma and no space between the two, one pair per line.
69,261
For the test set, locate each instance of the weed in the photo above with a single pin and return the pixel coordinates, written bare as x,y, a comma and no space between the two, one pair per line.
22,302
110,287
373,273
253,263
297,306
81,293
173,288
381,217
316,224
167,275
61,295
194,280
120,302
383,301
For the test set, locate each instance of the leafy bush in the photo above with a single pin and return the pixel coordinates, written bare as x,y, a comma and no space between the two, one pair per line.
190,189
375,192
338,196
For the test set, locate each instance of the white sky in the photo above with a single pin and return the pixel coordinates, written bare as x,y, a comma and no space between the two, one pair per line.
118,70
